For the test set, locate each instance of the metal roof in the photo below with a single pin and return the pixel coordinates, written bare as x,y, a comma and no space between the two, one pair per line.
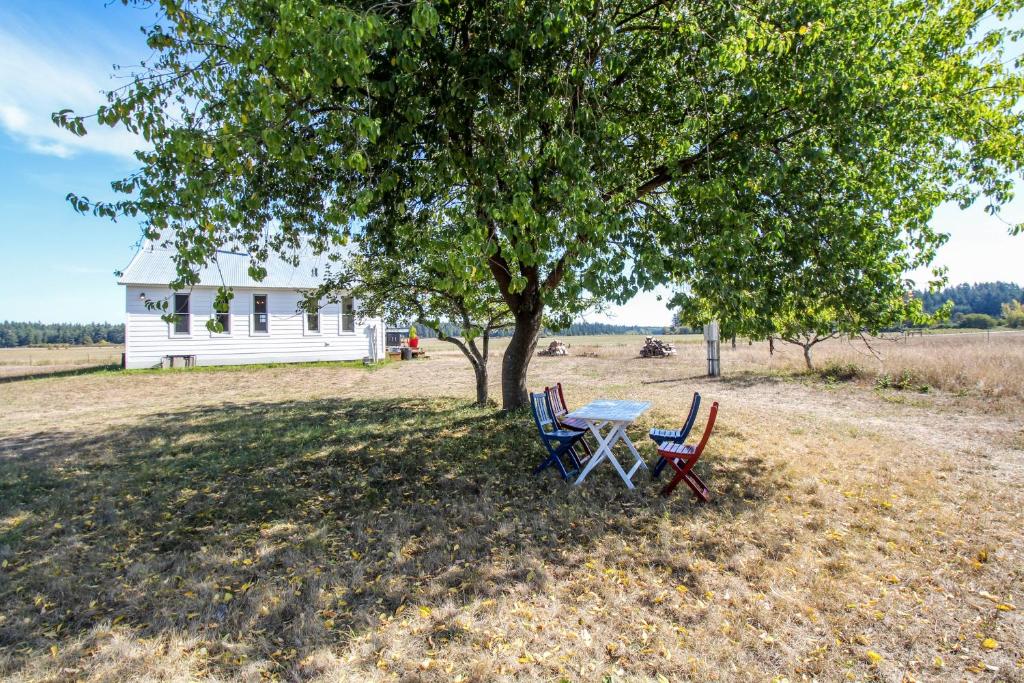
154,265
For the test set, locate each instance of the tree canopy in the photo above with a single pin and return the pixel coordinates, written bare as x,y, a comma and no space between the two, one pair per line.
980,297
14,333
575,149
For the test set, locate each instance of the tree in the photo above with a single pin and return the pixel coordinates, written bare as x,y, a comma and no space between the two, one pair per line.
837,292
578,149
403,289
981,297
1013,313
978,321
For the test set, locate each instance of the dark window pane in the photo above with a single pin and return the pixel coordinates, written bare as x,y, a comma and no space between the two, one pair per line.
181,321
348,318
313,322
259,323
225,321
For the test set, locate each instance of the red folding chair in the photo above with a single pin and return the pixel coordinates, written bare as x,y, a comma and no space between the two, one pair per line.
682,458
559,411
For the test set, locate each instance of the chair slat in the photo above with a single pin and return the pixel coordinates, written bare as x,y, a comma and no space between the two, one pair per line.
556,399
682,457
558,442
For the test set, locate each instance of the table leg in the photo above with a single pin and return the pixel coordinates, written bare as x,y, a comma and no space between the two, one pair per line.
618,432
636,454
600,453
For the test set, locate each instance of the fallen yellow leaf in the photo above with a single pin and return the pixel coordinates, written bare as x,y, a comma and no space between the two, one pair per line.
989,644
873,657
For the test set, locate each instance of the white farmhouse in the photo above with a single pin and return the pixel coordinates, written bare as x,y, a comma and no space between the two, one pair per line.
264,325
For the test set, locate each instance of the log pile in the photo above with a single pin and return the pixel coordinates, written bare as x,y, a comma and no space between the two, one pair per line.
655,348
555,348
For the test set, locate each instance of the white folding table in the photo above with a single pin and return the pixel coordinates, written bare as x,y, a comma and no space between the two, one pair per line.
617,415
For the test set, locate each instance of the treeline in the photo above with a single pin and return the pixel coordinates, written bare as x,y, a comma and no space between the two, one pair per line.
575,330
35,334
982,297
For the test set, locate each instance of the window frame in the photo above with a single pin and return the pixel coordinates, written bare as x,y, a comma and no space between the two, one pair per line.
229,328
319,322
342,314
187,315
252,318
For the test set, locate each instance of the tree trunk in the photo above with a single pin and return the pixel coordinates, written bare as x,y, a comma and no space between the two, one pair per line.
807,357
476,359
517,357
481,383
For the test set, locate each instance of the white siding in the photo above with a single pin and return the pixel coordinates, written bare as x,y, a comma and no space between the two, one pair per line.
148,338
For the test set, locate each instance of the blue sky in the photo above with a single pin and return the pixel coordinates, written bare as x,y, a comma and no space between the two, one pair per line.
58,266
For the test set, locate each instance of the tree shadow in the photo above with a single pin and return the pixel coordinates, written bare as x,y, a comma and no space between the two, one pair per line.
304,522
747,378
739,379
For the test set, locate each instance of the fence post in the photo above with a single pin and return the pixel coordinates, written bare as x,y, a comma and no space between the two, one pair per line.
714,349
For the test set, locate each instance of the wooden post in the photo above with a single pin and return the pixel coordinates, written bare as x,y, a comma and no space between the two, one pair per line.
714,349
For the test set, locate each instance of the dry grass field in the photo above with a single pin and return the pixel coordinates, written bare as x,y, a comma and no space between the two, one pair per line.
18,362
335,523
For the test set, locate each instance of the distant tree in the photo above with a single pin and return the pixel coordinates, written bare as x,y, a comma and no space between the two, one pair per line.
980,297
978,321
1013,314
28,333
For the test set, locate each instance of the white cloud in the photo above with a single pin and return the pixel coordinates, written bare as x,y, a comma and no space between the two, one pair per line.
43,74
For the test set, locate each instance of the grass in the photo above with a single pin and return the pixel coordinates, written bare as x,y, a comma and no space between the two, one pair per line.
319,522
61,355
57,370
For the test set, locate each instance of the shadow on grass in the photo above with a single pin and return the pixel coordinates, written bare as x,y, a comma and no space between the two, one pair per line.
90,370
303,524
740,380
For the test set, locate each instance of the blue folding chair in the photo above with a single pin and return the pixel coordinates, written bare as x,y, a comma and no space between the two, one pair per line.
663,436
558,442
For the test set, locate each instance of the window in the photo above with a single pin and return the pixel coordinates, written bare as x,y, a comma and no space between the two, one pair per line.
348,317
182,321
260,319
313,321
224,319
